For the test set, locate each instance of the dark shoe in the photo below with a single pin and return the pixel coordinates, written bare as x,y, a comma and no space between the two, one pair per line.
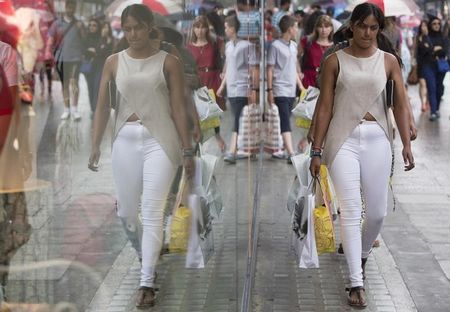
357,297
230,158
433,117
289,159
363,266
145,297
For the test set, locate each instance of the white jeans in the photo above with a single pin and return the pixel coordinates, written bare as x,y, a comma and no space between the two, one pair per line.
363,163
142,168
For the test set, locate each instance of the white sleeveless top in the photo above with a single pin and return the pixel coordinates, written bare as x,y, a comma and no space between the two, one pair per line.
360,89
142,90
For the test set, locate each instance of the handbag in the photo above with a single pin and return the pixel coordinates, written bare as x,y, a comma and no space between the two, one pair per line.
304,111
272,135
86,67
389,90
180,229
442,65
201,242
249,135
413,77
302,208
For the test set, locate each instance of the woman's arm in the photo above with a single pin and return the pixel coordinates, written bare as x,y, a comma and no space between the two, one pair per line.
173,72
401,111
102,112
224,80
324,109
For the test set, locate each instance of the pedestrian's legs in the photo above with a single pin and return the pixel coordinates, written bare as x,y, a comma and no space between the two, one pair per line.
345,174
284,105
430,78
90,84
376,162
127,167
63,72
237,105
439,88
48,69
423,94
75,84
159,173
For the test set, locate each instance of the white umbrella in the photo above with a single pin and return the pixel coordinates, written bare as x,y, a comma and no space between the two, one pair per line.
392,7
163,7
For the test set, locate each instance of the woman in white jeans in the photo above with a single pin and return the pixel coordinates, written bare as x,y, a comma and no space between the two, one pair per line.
151,137
353,128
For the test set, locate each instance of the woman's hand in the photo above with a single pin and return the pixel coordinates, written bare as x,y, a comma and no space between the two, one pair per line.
93,159
408,158
219,92
314,167
189,166
197,133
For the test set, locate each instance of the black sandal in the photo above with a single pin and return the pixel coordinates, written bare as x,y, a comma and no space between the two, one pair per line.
360,301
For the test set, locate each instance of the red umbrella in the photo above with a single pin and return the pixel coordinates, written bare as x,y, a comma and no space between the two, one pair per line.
163,7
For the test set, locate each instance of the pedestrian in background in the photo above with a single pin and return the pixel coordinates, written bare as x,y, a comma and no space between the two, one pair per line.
208,57
283,75
285,5
353,130
422,52
66,37
151,137
240,63
311,50
44,62
436,47
88,68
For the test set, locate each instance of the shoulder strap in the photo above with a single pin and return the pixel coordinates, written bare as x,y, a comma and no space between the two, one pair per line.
58,45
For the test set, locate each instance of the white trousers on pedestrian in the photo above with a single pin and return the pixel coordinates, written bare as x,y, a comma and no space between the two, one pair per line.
363,163
143,175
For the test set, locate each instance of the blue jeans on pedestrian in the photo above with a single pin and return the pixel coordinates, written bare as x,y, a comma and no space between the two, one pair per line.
284,105
237,105
435,85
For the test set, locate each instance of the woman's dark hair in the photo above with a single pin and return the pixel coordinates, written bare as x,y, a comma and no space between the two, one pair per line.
361,12
217,23
96,21
419,31
106,24
143,15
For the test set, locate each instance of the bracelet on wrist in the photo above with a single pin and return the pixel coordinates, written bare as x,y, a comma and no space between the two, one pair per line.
188,152
269,89
315,154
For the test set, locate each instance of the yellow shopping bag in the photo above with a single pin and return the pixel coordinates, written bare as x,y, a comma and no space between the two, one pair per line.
180,229
324,231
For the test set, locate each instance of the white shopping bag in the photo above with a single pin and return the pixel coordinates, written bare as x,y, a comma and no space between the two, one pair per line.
201,241
302,209
206,106
305,108
305,249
